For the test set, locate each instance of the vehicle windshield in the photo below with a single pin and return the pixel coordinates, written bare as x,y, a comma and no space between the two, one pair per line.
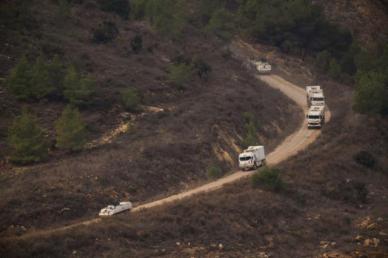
318,99
245,158
313,117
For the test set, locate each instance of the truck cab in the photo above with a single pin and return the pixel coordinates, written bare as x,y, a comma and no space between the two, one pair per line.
316,117
252,158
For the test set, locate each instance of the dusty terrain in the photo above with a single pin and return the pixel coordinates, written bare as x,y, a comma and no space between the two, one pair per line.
332,207
162,153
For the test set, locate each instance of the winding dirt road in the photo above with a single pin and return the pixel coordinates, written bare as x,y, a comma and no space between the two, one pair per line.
294,143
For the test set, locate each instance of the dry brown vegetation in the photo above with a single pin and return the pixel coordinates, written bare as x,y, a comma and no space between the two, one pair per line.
163,152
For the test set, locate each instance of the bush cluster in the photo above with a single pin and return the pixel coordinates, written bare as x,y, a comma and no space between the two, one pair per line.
214,172
28,142
269,178
120,7
130,99
49,79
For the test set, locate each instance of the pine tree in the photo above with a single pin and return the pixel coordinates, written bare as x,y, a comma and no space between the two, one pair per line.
70,130
19,80
77,90
26,140
40,83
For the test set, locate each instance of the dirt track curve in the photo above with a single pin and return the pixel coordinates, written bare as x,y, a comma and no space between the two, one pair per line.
295,142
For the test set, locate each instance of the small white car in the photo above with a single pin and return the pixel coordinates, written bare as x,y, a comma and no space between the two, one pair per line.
111,210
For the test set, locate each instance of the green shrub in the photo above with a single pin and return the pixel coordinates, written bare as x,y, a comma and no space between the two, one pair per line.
180,74
70,130
130,99
40,85
269,178
77,89
251,128
106,32
214,172
26,140
56,71
221,24
334,69
120,7
167,16
365,159
19,80
137,44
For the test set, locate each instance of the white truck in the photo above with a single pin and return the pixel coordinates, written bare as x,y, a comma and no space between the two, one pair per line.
262,67
316,117
315,96
111,210
252,158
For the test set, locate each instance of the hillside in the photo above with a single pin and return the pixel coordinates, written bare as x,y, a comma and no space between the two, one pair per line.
199,104
200,126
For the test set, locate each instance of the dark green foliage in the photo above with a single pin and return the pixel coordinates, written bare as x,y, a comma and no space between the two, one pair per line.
137,44
269,178
77,89
130,99
214,172
365,159
28,81
120,7
17,16
19,80
168,16
322,60
221,24
334,69
70,130
40,80
371,96
26,140
180,74
251,128
106,32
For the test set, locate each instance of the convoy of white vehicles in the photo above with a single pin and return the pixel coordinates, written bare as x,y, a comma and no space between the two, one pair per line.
252,158
316,103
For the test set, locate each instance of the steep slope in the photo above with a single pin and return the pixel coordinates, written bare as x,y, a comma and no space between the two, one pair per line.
162,153
333,205
366,19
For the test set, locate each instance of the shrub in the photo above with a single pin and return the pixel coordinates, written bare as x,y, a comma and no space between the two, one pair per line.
221,24
56,71
70,130
202,68
269,178
26,140
40,80
120,7
365,159
214,172
130,99
77,89
334,69
19,80
250,138
106,32
137,44
180,74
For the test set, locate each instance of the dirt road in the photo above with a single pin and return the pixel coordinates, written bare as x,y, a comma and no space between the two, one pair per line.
297,141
